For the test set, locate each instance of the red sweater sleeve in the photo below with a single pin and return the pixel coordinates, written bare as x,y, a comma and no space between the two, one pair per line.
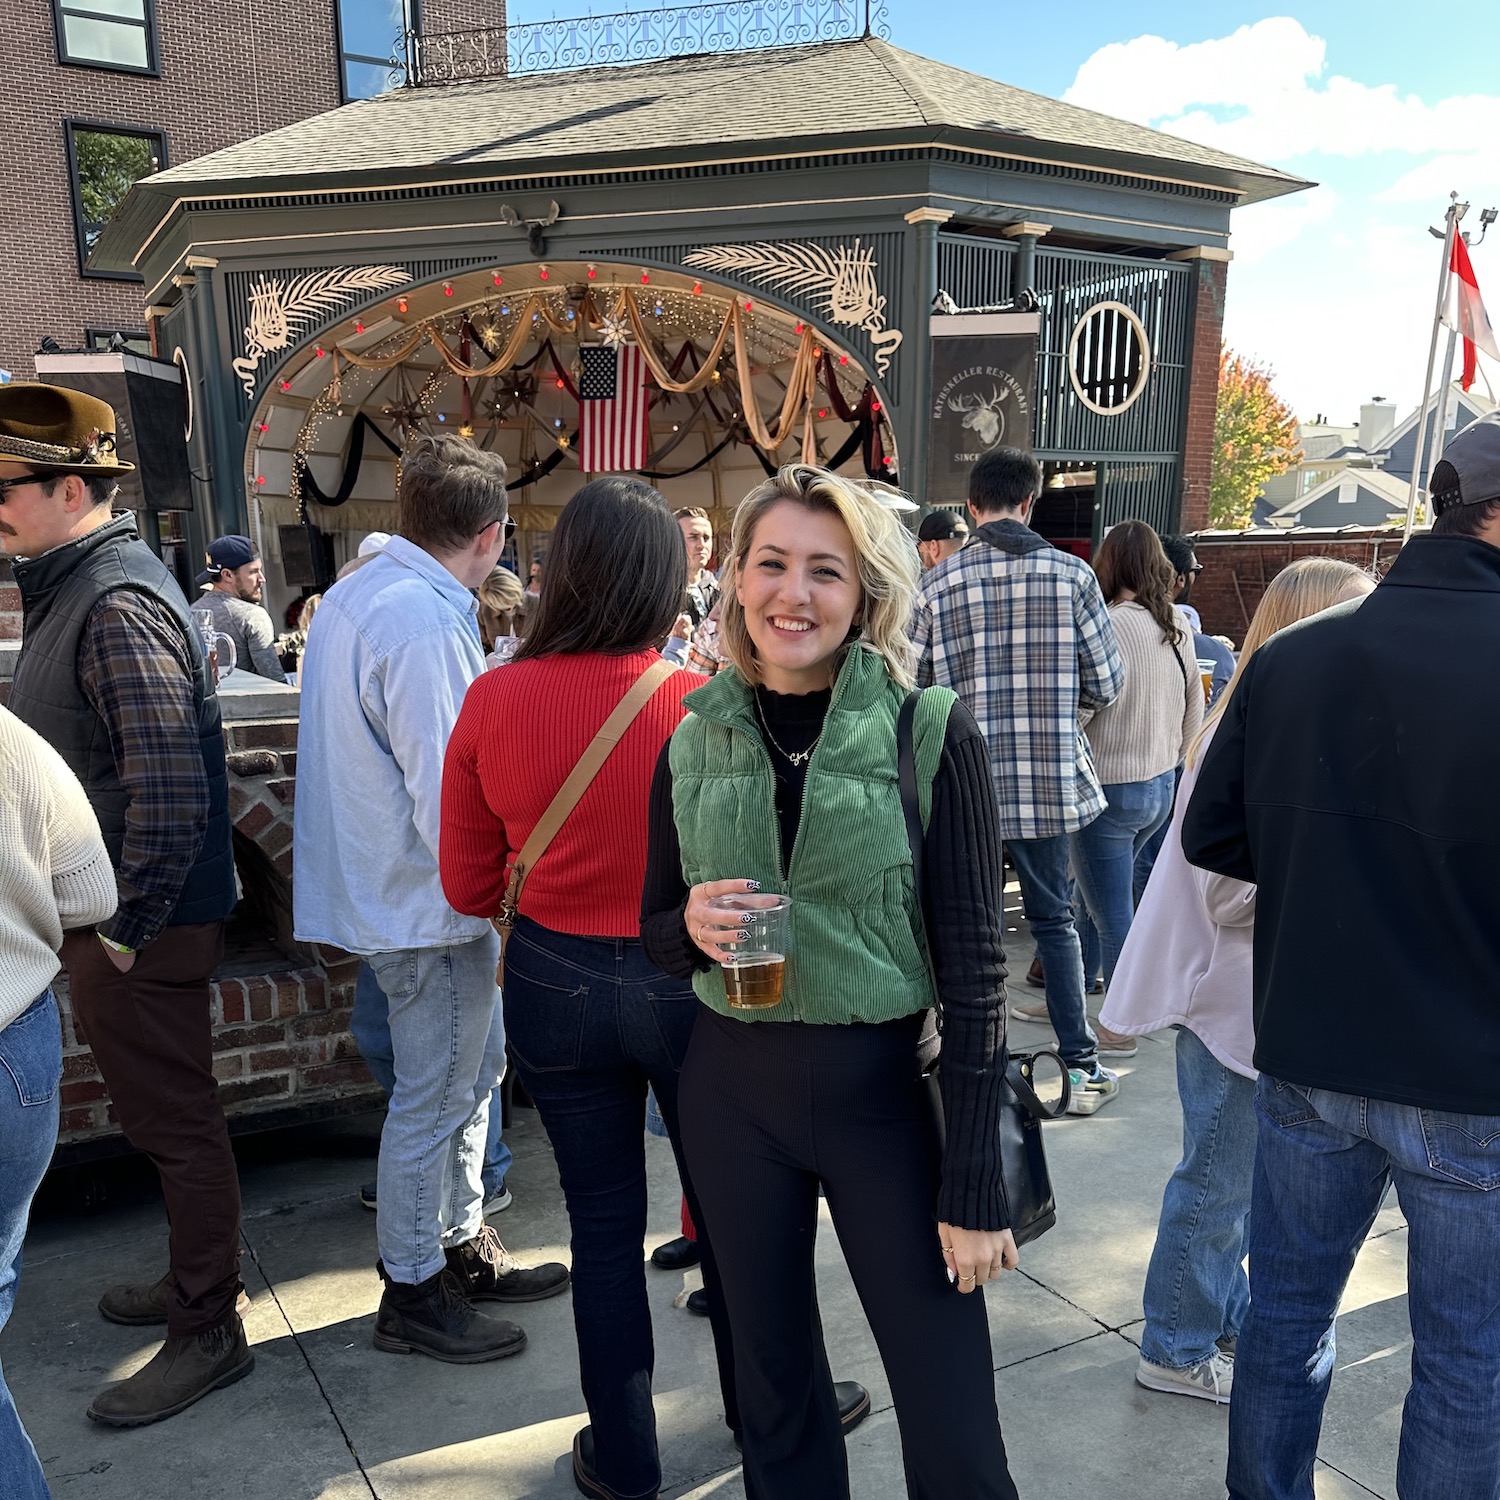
472,845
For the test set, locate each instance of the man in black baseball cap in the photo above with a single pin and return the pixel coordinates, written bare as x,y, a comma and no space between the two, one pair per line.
940,535
1348,779
236,580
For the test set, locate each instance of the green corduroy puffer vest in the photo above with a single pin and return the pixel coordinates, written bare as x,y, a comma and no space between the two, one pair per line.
854,952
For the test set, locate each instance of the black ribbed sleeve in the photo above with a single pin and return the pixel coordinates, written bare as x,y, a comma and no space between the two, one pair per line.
966,917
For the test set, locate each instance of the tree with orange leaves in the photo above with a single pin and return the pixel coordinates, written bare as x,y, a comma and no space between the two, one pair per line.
1255,439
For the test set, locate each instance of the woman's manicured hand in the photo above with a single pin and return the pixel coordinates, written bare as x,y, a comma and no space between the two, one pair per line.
975,1256
715,932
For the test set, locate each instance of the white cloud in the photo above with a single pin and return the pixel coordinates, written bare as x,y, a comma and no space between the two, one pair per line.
1261,92
1333,287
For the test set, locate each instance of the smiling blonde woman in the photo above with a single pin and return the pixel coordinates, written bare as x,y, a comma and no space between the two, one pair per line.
783,781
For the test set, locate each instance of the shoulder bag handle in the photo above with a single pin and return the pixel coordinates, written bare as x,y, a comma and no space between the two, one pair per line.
611,732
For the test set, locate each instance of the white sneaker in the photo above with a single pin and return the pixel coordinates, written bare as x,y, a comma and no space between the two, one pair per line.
499,1203
1212,1380
1089,1092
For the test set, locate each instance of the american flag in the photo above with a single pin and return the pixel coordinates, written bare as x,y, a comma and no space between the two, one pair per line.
614,431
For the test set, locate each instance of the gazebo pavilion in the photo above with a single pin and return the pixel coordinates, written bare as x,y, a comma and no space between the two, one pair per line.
772,226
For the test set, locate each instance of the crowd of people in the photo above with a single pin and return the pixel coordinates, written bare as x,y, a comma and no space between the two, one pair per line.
553,851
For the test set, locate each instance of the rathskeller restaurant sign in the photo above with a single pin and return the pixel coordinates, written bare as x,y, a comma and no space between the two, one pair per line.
983,394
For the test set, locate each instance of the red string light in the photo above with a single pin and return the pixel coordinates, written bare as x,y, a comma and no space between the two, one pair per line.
358,326
645,278
561,383
544,273
499,279
843,359
749,307
593,274
797,330
265,426
260,478
286,385
447,288
321,352
822,412
697,288
400,304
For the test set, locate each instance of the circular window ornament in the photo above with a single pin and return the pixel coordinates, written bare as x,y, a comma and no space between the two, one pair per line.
1109,358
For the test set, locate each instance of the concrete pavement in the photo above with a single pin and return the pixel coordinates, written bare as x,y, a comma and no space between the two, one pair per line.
325,1415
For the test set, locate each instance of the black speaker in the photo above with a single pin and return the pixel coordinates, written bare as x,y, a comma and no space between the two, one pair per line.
306,557
152,416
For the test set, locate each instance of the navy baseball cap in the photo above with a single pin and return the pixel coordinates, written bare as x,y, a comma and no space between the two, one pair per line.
943,526
227,552
1469,471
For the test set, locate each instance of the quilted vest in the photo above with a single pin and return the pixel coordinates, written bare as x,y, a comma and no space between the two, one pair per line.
854,951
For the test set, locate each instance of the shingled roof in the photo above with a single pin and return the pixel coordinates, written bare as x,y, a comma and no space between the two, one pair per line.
717,106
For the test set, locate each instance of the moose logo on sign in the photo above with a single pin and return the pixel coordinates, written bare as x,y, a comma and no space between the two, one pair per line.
983,384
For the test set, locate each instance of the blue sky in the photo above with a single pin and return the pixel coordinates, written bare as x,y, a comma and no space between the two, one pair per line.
1385,106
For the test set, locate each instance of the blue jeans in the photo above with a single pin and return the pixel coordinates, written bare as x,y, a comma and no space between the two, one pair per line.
591,1024
448,1046
1104,858
370,1026
1145,860
1196,1291
30,1070
1047,897
1322,1165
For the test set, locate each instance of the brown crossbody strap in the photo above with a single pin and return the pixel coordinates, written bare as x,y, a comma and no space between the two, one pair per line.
611,732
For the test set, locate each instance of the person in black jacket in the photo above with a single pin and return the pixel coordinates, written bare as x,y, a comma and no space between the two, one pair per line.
1348,781
113,675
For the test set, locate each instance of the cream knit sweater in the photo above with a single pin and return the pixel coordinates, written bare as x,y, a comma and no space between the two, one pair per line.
54,870
1147,729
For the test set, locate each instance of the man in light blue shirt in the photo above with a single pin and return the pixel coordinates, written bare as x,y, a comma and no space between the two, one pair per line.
391,653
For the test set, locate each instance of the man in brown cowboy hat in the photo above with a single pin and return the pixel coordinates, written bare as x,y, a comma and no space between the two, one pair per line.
112,672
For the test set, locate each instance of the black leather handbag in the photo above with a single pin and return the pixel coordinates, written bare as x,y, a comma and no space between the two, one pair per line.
1025,1180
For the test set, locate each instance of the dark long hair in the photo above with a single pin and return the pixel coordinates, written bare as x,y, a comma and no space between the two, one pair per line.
616,574
1131,557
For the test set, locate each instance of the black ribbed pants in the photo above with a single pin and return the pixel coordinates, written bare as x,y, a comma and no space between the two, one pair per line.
769,1110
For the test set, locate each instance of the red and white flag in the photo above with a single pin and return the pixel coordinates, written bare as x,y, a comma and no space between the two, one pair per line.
1468,315
614,428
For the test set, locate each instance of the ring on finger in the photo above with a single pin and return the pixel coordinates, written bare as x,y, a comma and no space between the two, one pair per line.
968,1278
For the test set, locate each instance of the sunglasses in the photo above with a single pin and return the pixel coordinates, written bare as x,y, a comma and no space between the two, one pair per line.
20,479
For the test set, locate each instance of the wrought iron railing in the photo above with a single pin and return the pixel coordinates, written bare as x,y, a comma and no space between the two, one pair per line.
634,36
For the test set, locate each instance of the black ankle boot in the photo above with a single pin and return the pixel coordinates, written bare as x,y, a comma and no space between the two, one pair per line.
436,1318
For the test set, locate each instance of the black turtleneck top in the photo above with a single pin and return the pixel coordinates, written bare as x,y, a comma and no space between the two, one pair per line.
965,916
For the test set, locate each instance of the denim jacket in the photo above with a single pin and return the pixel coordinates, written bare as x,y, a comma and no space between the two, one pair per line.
390,655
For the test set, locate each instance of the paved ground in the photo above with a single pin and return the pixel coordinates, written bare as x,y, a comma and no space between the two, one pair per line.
325,1415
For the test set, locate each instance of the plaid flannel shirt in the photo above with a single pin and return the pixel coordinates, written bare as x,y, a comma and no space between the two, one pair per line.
1018,629
135,669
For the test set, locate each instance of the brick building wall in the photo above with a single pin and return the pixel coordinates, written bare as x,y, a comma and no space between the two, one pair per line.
281,1034
1203,391
230,69
1238,566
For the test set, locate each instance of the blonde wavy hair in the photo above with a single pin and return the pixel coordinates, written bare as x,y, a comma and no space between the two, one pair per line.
885,557
1307,587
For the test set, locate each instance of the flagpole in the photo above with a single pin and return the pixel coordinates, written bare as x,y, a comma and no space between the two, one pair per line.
1440,427
1451,223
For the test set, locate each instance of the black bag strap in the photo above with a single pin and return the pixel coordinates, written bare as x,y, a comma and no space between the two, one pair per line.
911,807
1022,1064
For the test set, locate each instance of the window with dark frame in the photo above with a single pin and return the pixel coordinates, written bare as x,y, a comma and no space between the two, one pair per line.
369,36
98,340
104,162
115,34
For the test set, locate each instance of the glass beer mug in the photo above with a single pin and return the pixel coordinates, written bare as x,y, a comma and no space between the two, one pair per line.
217,647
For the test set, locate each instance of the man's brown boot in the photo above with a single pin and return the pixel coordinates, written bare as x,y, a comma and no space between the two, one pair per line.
181,1372
138,1304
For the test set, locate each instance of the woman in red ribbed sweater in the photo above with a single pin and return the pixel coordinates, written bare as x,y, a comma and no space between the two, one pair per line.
589,1021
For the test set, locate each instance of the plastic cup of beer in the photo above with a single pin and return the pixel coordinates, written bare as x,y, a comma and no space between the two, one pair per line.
752,978
1206,666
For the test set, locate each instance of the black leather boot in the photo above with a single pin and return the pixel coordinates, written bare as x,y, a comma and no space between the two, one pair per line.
676,1255
436,1318
489,1273
182,1371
